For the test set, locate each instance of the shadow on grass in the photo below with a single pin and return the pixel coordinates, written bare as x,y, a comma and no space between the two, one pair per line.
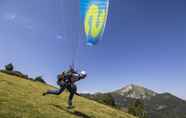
76,113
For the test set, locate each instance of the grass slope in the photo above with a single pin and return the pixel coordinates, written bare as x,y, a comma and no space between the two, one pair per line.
21,98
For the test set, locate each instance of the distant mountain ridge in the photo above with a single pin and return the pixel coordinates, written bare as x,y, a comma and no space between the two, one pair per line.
164,105
136,92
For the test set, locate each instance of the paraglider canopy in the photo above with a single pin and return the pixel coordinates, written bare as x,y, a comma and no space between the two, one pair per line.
94,14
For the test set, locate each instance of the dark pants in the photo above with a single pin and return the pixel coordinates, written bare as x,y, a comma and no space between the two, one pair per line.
70,87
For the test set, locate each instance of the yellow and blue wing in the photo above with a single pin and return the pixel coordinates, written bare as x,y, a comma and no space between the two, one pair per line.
94,14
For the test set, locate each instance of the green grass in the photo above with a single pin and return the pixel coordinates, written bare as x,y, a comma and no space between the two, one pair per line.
21,98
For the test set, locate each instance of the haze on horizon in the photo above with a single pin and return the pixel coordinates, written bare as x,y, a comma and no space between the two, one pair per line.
144,43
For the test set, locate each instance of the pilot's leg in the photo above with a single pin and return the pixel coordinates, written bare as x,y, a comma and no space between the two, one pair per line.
55,92
72,89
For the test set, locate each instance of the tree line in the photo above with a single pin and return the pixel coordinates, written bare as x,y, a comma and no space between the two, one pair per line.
10,69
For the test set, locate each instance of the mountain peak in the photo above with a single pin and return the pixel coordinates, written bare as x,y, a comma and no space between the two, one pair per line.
136,91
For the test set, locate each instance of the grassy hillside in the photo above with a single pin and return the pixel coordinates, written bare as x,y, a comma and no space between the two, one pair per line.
21,98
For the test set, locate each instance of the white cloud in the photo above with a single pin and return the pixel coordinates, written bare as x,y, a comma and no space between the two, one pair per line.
82,91
19,20
10,16
58,36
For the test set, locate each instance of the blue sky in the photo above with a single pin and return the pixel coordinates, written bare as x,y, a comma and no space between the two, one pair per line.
144,43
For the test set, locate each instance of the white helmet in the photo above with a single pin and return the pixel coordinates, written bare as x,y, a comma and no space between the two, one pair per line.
83,73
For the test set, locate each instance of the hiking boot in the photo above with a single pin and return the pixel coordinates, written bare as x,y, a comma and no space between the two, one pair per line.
70,107
44,94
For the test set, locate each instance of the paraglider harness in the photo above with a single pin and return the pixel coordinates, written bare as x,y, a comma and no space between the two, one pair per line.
69,77
64,78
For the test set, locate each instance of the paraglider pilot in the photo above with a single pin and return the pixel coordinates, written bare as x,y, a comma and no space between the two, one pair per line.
67,80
